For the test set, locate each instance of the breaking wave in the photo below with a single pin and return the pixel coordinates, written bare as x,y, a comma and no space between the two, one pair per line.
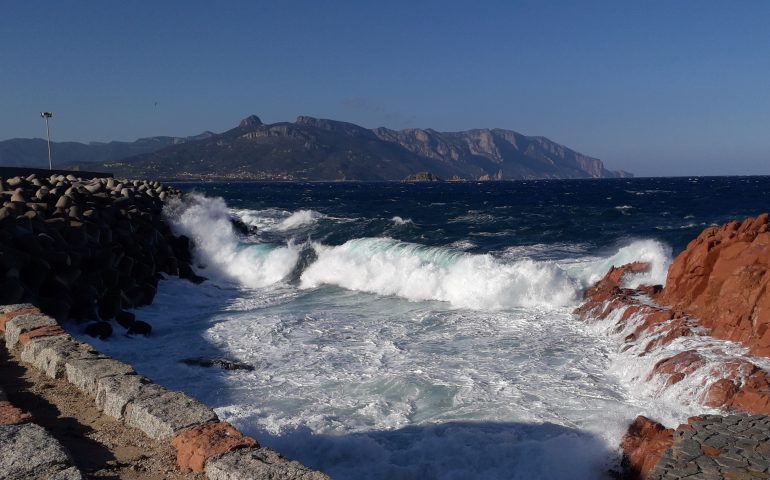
206,221
389,267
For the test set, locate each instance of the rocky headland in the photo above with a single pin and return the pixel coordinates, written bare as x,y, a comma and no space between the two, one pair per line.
717,287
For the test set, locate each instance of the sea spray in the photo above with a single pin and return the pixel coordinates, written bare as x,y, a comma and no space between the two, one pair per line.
218,249
277,220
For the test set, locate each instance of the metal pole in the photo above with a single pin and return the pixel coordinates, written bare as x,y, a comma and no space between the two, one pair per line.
48,134
48,115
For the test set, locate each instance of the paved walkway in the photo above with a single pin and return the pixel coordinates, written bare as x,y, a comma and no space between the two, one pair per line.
718,447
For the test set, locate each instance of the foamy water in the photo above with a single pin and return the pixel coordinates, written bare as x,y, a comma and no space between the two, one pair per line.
378,358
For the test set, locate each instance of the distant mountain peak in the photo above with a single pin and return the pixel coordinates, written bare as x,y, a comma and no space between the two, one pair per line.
324,149
251,121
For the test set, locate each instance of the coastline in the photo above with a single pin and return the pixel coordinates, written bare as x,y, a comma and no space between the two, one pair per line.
133,292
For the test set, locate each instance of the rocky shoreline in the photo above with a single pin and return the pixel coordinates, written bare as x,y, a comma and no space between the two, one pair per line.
717,287
85,250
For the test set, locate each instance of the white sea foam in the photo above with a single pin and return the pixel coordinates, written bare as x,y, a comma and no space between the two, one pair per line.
389,267
401,221
207,222
300,218
379,379
273,219
590,270
634,363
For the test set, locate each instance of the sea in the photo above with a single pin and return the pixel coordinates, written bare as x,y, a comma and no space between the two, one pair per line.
425,331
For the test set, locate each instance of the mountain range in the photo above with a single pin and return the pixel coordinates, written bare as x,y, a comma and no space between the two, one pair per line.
312,149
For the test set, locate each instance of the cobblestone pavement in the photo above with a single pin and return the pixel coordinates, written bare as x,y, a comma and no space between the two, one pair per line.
718,447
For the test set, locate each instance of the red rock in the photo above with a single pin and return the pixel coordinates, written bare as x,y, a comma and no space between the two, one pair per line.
642,446
682,363
48,331
753,396
7,317
196,445
10,415
720,392
723,280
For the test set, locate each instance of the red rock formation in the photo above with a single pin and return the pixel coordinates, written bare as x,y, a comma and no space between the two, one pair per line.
722,280
642,446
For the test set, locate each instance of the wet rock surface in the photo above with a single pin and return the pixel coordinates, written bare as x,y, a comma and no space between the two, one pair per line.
717,287
223,363
642,446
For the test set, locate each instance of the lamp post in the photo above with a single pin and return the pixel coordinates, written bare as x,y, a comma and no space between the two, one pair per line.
48,115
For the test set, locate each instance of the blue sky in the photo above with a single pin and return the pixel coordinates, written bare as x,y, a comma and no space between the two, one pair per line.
655,87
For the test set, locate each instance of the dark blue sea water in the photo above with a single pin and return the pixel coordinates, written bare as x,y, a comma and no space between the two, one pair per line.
597,213
424,331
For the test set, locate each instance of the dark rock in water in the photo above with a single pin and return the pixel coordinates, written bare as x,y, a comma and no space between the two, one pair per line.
58,308
182,248
140,328
11,291
125,319
242,228
223,363
102,330
109,305
186,272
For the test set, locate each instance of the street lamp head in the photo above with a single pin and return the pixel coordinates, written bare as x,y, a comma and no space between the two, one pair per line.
46,114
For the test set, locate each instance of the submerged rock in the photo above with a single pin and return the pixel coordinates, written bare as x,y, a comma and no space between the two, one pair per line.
101,330
223,363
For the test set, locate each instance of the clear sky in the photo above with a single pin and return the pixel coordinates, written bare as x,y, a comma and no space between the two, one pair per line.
669,87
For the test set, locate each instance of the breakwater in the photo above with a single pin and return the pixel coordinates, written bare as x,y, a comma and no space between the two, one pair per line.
86,250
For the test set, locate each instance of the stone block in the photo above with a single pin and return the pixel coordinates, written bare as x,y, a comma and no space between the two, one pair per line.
12,308
16,311
31,452
49,354
195,446
163,416
51,331
84,373
22,324
113,394
251,463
